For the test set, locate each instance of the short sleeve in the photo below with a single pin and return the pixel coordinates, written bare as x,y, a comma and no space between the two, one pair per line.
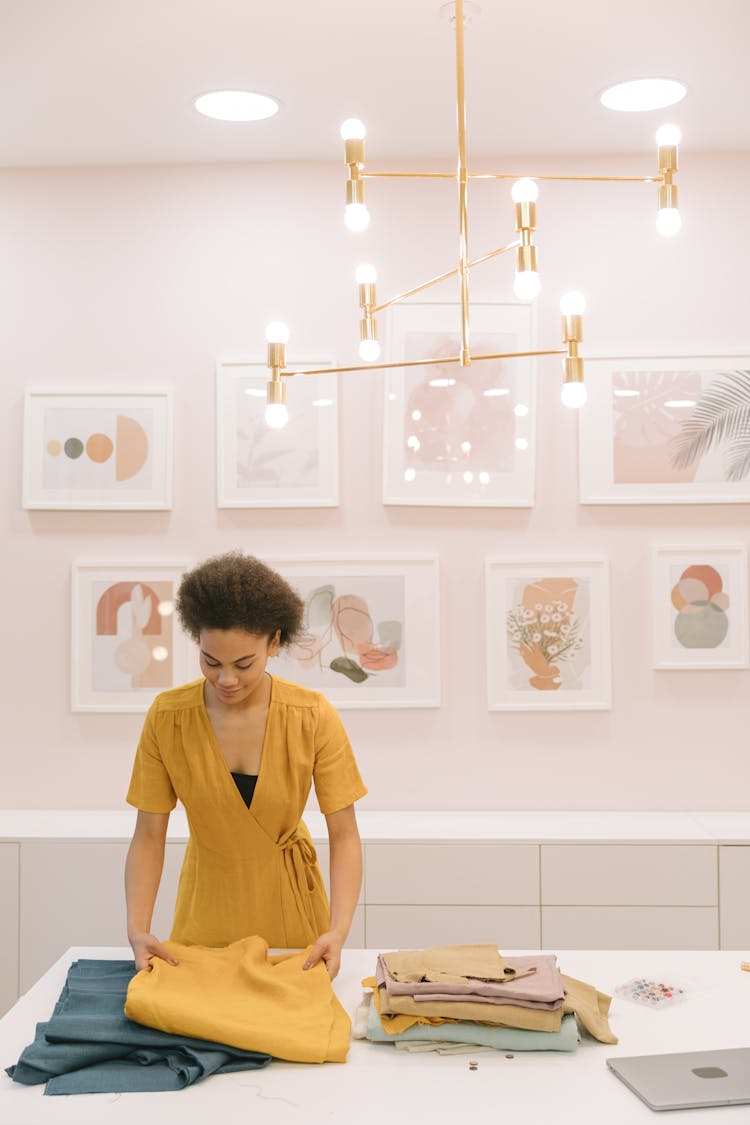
335,773
151,788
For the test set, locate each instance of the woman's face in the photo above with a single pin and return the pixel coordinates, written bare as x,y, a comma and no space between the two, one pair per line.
234,662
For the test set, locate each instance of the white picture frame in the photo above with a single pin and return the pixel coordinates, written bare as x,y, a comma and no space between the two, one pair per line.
126,643
629,428
371,635
97,450
700,607
455,436
548,634
260,467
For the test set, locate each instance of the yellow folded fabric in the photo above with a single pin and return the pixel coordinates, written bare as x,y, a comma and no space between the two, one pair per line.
239,995
393,1024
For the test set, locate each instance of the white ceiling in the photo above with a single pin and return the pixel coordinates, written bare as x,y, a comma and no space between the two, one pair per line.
113,81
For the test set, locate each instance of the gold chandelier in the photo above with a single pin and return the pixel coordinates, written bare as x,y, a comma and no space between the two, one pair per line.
526,283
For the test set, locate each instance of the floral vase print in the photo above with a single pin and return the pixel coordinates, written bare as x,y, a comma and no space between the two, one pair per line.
701,605
546,628
339,634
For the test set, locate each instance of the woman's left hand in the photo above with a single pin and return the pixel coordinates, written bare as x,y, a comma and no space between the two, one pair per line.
327,949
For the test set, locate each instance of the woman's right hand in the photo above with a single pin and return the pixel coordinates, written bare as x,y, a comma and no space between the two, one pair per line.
146,946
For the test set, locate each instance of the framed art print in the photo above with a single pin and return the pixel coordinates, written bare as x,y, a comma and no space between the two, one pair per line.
699,607
665,431
126,643
548,646
459,436
260,467
371,635
103,451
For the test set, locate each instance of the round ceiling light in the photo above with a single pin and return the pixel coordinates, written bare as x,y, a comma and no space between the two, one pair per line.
236,105
642,94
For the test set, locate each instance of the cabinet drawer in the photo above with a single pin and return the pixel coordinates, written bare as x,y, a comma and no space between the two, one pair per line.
9,853
734,897
629,875
452,874
630,927
414,927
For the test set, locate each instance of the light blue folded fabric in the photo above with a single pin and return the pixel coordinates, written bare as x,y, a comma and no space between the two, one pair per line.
89,1046
465,1031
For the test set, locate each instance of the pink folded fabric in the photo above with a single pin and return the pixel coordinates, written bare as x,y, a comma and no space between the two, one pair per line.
542,989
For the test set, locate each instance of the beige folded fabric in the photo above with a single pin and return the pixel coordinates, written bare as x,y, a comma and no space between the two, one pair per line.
591,1008
451,964
498,1015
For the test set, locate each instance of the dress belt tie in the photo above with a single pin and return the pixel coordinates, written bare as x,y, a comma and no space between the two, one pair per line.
299,854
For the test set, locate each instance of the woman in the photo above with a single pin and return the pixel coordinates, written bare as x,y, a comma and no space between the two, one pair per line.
240,748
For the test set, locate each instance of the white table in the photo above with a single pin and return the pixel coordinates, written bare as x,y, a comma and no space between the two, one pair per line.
382,1086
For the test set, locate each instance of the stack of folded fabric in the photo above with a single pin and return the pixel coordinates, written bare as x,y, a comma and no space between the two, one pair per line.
470,994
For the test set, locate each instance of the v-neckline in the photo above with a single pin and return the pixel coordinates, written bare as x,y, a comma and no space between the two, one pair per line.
217,748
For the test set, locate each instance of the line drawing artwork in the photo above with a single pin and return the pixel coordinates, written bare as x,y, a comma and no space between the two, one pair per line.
353,632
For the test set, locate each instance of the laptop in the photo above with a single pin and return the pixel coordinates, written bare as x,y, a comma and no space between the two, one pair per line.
687,1080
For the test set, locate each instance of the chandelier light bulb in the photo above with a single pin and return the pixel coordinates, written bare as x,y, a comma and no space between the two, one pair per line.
353,130
356,216
365,274
573,395
277,332
526,285
276,415
573,303
525,191
668,221
668,135
369,350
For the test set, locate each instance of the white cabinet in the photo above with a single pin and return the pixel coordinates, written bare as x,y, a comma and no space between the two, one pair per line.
443,894
552,882
629,896
72,893
8,925
734,877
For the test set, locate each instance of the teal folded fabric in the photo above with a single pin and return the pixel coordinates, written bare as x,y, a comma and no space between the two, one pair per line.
89,1046
482,1035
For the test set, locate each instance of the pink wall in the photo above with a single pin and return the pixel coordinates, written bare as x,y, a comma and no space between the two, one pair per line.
125,278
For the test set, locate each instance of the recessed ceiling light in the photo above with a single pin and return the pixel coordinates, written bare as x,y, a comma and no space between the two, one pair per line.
236,105
642,94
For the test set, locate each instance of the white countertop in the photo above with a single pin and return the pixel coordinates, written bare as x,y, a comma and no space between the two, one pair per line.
379,1084
429,827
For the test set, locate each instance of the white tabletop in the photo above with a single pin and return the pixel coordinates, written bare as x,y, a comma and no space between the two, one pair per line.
379,1085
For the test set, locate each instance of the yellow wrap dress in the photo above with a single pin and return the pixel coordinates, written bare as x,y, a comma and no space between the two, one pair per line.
246,870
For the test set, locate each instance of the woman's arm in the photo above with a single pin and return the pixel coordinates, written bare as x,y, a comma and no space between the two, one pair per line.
346,879
143,868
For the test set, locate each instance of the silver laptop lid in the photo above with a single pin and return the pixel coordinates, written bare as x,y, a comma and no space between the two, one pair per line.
687,1080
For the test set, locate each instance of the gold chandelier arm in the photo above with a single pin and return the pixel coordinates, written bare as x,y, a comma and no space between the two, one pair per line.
444,276
592,179
463,185
418,363
511,176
